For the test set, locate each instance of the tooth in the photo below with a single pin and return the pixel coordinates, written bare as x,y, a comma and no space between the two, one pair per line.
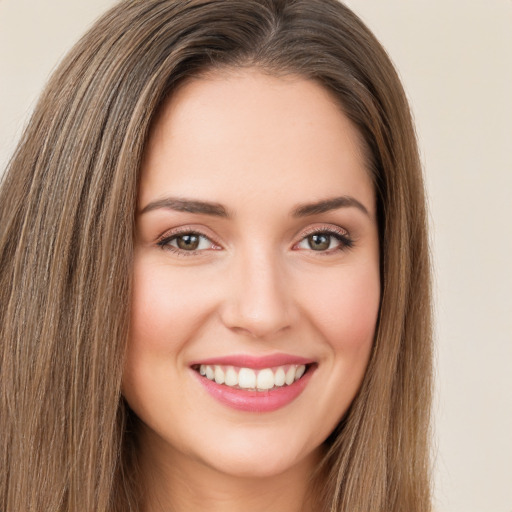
231,377
202,369
279,377
246,378
290,375
210,374
219,375
265,379
300,371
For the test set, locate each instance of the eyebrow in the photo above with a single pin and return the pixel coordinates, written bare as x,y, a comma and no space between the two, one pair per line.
217,210
187,205
326,205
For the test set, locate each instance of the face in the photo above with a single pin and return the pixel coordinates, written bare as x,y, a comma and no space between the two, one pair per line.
256,274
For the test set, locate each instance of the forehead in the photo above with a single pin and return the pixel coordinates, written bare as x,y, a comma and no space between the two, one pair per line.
235,133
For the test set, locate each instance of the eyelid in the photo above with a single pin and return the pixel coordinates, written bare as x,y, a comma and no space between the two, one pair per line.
324,228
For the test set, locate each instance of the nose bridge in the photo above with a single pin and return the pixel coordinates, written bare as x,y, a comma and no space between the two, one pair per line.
258,302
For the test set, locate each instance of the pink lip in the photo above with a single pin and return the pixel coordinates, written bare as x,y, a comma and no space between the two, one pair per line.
256,363
255,401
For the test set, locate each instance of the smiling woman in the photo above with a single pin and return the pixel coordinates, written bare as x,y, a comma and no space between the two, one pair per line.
214,270
277,299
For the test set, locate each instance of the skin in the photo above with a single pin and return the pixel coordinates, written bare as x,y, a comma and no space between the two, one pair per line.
259,146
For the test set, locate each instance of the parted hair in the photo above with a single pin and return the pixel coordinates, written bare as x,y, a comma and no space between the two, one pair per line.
67,207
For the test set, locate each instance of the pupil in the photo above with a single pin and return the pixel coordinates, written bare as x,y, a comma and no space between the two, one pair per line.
188,242
319,242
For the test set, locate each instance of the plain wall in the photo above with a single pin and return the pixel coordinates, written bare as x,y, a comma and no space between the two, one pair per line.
455,59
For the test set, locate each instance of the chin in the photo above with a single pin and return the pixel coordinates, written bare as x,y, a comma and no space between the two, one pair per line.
260,458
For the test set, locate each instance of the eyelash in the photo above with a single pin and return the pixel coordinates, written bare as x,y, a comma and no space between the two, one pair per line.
345,241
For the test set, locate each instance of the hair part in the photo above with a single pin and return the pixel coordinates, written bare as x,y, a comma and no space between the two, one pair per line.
67,206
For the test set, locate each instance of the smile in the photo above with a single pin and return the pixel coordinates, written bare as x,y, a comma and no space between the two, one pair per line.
254,384
263,379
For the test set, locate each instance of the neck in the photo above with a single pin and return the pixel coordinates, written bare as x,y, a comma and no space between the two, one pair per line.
177,483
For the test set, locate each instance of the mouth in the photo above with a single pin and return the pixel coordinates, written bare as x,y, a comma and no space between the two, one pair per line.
251,379
254,384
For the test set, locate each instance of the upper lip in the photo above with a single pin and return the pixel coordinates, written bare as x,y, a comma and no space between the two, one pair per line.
255,362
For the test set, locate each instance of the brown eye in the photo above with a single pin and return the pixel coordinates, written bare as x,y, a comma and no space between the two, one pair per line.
328,241
188,242
319,241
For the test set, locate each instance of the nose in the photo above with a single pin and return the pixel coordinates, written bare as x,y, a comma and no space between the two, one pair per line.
259,302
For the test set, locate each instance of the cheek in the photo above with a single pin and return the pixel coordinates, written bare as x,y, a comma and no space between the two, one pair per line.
166,307
346,313
164,315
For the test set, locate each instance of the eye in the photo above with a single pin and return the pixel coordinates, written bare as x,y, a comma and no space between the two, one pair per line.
188,241
323,240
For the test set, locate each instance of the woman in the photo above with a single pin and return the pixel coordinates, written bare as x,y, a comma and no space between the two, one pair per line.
214,270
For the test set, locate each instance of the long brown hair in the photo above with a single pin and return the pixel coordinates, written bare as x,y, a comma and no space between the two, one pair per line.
67,206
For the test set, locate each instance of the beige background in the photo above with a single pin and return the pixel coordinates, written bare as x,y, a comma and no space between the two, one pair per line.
455,58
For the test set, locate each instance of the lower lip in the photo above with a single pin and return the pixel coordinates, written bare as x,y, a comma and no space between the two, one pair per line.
256,401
